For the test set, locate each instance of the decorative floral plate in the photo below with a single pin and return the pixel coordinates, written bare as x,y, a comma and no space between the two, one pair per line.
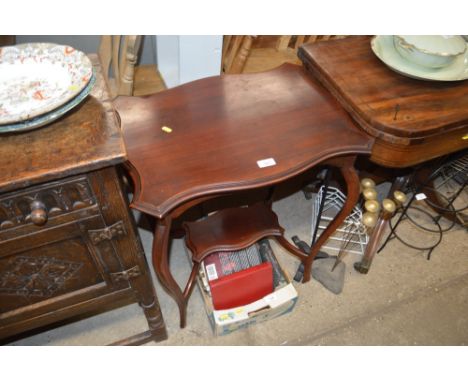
384,49
39,77
51,116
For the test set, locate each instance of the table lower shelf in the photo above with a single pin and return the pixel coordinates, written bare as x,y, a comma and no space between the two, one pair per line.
231,229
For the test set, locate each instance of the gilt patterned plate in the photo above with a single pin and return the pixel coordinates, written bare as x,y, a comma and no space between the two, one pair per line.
45,119
39,77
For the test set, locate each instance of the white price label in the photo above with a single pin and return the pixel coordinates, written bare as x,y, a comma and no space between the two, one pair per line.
270,297
211,272
421,196
266,162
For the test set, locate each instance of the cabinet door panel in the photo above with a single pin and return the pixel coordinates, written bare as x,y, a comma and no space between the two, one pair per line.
56,263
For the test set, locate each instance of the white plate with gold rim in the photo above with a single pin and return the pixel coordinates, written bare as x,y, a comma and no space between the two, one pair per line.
384,49
39,77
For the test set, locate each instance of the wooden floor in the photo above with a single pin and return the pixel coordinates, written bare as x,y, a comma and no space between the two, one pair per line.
262,59
147,80
264,56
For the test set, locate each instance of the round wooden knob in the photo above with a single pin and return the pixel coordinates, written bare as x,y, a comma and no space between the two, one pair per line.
369,193
367,183
38,213
372,206
389,205
369,219
399,196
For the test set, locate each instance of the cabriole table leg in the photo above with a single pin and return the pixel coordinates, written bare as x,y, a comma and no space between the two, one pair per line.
349,173
161,266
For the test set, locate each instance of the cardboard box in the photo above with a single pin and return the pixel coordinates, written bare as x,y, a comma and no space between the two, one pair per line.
281,301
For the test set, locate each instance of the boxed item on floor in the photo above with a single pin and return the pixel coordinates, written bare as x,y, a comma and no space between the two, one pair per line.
237,278
280,301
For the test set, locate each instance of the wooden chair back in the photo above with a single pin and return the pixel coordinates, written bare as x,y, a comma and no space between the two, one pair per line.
118,56
235,52
279,49
294,42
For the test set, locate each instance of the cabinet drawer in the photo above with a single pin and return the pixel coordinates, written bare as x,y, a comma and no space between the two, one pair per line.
42,207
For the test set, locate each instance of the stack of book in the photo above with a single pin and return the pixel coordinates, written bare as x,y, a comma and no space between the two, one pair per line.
240,277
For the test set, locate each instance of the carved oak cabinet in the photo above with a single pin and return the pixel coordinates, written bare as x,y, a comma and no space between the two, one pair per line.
68,243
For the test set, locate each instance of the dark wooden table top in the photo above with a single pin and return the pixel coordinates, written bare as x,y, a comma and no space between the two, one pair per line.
222,126
386,104
86,138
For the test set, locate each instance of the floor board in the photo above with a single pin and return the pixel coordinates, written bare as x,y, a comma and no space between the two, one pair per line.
148,80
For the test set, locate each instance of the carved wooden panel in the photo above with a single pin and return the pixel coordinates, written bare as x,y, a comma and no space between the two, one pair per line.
46,272
36,276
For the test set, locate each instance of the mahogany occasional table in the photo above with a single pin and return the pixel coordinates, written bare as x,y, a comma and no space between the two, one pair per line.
231,133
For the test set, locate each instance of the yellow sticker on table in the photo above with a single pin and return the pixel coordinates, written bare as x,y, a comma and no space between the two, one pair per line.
166,129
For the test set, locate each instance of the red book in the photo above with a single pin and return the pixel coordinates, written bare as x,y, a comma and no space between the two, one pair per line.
243,287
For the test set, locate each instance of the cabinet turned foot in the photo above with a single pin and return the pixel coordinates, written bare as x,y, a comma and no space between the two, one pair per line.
148,301
153,315
157,329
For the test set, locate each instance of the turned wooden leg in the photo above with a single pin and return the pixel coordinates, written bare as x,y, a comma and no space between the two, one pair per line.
346,167
148,301
161,266
363,266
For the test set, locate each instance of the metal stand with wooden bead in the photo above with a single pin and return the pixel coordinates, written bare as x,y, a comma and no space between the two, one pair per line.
369,218
376,223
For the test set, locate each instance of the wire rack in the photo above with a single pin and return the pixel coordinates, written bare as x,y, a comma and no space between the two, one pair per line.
454,171
351,236
450,183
